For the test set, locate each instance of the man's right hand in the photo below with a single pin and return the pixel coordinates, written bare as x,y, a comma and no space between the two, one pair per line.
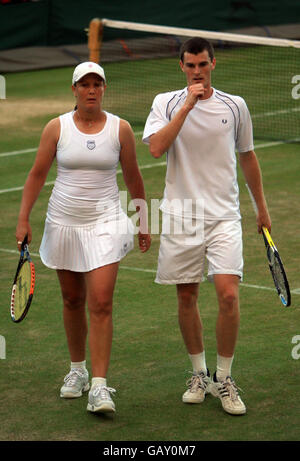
195,92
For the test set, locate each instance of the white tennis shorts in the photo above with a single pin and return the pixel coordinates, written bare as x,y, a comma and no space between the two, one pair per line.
183,255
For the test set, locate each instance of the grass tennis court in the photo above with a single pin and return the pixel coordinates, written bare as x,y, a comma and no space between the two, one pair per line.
149,365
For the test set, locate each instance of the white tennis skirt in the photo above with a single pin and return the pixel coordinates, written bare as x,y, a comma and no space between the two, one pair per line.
86,247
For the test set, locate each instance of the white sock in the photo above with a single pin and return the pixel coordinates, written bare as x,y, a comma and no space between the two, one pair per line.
223,367
81,365
98,380
198,362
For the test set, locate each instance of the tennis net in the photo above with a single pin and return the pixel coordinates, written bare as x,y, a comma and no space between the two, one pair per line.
142,60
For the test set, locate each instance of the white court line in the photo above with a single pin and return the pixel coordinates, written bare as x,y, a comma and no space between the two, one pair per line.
14,189
50,183
152,271
18,152
276,112
275,143
34,149
138,269
6,250
139,133
143,167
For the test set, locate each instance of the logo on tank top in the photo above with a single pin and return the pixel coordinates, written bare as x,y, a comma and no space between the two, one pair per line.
224,121
91,145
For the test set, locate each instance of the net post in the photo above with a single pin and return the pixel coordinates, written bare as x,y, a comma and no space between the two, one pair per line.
95,34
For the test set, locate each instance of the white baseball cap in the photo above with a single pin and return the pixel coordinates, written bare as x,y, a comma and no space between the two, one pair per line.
87,68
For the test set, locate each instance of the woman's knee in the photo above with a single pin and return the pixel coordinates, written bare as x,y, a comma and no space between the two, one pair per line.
101,307
73,300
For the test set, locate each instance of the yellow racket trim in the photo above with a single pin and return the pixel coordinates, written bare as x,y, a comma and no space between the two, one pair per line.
268,237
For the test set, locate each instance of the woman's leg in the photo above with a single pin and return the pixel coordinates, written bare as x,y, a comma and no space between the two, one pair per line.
100,285
73,288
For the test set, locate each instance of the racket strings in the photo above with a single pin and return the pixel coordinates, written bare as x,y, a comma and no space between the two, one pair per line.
23,286
277,273
280,282
22,291
279,277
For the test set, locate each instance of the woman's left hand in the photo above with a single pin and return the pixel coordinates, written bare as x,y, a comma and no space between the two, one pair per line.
144,242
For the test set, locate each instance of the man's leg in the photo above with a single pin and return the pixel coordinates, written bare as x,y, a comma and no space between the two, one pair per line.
228,321
227,288
189,318
192,332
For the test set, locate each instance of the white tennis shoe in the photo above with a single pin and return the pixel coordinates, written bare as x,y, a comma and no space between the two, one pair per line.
75,382
228,393
100,400
198,387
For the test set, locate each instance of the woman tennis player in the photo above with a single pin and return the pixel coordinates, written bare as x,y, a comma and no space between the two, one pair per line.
86,231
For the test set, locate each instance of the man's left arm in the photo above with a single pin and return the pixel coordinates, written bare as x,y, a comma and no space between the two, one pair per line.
252,172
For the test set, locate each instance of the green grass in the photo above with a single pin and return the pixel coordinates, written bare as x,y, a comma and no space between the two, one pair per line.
149,364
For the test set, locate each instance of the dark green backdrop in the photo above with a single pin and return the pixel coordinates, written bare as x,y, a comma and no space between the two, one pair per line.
62,22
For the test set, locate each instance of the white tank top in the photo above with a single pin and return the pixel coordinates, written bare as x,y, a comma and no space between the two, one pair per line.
86,188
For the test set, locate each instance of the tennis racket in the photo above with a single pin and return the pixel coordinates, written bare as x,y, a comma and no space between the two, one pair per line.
277,269
23,286
275,264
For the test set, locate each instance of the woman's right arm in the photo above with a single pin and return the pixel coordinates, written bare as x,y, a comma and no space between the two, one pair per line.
37,177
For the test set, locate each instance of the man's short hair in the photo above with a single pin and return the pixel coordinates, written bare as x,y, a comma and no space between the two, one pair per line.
196,45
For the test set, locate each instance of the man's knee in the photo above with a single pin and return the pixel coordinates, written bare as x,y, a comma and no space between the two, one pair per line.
229,301
187,295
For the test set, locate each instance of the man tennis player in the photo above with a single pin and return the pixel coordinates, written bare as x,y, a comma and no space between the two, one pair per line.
200,128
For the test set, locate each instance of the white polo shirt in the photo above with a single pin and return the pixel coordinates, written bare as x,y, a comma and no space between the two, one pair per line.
201,163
